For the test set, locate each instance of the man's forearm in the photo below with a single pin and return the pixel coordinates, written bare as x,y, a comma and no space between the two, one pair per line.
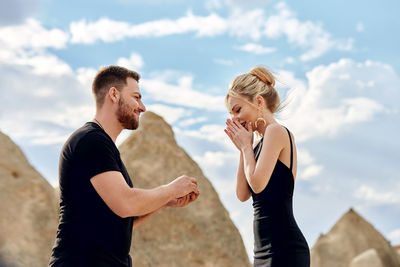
142,202
141,219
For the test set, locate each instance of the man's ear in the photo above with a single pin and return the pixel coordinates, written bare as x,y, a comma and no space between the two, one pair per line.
113,94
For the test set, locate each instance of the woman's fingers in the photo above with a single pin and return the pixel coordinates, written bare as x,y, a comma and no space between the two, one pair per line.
232,125
228,134
237,124
230,130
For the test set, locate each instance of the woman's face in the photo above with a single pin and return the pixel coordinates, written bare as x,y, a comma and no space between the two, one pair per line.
242,111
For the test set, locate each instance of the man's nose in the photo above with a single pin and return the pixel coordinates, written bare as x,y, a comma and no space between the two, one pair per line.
142,107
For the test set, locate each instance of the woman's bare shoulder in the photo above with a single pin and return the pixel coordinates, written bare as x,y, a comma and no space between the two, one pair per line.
275,131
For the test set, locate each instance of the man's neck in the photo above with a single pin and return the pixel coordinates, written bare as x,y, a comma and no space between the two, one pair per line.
109,124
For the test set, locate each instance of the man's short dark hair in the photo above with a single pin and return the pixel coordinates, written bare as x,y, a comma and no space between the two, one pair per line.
110,76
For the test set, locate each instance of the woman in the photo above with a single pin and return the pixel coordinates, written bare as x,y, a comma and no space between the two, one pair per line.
266,172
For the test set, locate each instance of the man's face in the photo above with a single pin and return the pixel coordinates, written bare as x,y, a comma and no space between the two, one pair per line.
130,105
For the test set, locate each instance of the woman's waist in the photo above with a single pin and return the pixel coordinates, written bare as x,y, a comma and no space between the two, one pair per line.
279,211
278,237
275,222
278,226
272,205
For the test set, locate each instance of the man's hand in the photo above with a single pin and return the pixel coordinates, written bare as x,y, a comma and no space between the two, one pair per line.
182,186
183,201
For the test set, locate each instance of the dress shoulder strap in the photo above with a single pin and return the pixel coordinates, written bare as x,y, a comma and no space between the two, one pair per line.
291,149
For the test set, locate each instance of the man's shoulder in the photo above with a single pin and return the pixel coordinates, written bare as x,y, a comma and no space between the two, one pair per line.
88,135
89,129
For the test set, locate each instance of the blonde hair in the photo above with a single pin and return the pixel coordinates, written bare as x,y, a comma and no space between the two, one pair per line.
258,81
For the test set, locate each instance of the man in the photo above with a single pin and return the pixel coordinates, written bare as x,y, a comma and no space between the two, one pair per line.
98,205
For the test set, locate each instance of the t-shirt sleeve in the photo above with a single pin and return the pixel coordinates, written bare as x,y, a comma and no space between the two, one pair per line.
96,154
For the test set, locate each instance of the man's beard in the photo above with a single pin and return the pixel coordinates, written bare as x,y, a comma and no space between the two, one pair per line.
126,115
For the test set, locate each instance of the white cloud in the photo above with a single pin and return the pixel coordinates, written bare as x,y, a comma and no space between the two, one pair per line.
46,95
287,79
373,197
182,94
104,29
108,30
304,157
49,139
310,171
43,64
307,167
246,23
192,121
210,25
241,22
394,236
211,133
307,34
212,160
170,114
122,137
339,94
360,109
225,188
25,45
86,76
256,49
215,165
134,62
31,34
71,115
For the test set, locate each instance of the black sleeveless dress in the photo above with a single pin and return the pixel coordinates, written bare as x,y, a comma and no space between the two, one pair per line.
278,241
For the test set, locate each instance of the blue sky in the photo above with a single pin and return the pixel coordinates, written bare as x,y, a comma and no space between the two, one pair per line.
337,64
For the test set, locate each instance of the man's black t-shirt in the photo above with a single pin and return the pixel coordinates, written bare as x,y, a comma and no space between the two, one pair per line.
89,233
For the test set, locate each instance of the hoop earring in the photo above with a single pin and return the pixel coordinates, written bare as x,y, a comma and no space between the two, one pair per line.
260,119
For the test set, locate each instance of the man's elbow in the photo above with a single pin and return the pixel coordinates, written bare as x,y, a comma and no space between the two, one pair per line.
123,210
127,210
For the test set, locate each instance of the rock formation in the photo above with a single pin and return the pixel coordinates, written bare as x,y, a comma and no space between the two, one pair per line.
201,234
352,237
368,258
397,248
28,221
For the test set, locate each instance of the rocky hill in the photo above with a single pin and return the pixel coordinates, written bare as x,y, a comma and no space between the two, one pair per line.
201,234
28,210
353,242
